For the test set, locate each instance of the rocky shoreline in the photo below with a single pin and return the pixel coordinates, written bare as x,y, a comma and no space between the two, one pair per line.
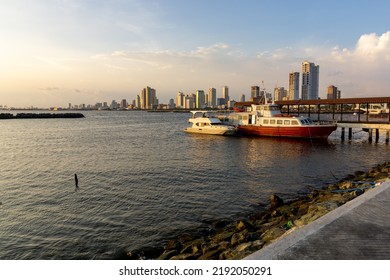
238,239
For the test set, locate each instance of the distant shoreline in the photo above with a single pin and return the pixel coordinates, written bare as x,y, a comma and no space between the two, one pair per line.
7,116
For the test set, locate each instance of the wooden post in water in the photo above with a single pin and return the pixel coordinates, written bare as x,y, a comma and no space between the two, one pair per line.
350,133
342,133
76,180
387,136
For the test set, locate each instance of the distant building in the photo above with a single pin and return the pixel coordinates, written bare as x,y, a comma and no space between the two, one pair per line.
171,104
123,104
293,86
189,101
280,94
180,100
114,105
212,98
310,80
148,98
255,92
242,98
200,99
138,102
225,93
333,93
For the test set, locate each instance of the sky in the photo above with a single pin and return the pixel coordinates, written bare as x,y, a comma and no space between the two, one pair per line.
55,52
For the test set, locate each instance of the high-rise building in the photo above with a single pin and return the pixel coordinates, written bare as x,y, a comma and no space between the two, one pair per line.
189,101
180,100
333,93
255,92
212,98
200,99
225,93
123,104
310,80
293,86
280,94
148,98
242,98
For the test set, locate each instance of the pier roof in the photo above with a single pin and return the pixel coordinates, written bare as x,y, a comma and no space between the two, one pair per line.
363,100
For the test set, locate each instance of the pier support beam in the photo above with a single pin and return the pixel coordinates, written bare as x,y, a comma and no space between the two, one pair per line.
342,133
376,135
350,133
370,135
387,136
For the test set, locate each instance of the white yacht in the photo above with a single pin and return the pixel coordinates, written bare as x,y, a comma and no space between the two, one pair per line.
203,122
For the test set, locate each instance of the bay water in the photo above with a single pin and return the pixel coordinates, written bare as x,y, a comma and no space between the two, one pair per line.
143,180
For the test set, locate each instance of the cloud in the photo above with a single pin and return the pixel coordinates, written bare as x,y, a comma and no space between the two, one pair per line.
50,89
369,47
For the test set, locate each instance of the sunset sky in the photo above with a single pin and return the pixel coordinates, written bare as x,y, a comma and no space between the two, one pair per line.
55,52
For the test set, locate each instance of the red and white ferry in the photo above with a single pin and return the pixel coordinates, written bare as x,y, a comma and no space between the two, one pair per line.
267,120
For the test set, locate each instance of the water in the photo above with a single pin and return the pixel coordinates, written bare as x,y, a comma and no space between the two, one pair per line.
142,180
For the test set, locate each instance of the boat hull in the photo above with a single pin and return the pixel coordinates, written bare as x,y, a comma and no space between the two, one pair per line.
211,131
305,131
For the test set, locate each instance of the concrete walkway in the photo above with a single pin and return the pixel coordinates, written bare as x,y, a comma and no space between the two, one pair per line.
357,230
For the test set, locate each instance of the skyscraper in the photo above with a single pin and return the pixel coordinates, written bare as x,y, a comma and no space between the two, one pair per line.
200,100
255,92
212,98
148,98
333,93
310,80
180,100
225,94
293,86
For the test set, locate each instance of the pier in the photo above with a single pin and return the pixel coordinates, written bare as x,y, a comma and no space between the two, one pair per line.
357,230
348,113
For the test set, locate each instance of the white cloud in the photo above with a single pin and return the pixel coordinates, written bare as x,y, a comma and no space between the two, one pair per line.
370,47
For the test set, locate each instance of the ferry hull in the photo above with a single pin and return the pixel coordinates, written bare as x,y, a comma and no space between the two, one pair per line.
305,131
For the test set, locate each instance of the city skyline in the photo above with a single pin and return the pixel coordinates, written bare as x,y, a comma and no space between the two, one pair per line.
60,51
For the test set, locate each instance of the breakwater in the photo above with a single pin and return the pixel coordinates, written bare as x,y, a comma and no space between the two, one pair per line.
237,239
41,115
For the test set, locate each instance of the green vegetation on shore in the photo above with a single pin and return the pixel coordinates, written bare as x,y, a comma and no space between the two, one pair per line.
238,239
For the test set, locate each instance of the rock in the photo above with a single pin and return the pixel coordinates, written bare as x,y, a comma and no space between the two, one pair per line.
345,185
272,234
218,225
173,245
168,255
276,201
210,255
185,257
381,176
223,236
242,225
185,237
145,253
238,238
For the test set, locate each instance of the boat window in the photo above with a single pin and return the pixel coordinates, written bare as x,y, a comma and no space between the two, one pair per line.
197,124
287,122
265,121
294,122
272,121
279,122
